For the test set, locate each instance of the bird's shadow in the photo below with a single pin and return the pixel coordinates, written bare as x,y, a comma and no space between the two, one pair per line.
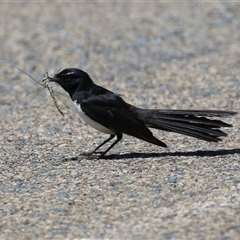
199,153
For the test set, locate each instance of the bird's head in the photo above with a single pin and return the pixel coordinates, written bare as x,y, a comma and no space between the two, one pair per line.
72,80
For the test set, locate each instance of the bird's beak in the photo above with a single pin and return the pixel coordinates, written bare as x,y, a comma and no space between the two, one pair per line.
53,79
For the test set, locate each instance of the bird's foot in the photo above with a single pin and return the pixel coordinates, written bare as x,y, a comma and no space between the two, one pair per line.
86,153
100,154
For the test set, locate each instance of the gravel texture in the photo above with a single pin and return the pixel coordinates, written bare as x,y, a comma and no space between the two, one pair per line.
157,55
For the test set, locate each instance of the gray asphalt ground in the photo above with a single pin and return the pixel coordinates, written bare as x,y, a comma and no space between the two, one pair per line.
157,55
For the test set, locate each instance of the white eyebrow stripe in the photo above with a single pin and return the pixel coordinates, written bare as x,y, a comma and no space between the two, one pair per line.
69,73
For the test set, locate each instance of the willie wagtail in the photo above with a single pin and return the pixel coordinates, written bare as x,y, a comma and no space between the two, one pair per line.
109,113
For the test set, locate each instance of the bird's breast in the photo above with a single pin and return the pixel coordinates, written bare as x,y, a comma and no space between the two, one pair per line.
91,122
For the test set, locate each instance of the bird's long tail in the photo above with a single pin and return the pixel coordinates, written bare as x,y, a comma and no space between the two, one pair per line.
198,124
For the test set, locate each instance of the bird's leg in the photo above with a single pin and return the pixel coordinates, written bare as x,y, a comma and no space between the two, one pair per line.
119,137
107,140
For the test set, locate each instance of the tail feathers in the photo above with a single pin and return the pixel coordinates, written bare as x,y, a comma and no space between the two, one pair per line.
193,119
197,113
187,122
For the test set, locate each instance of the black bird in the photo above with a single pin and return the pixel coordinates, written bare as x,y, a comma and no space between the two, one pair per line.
109,113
